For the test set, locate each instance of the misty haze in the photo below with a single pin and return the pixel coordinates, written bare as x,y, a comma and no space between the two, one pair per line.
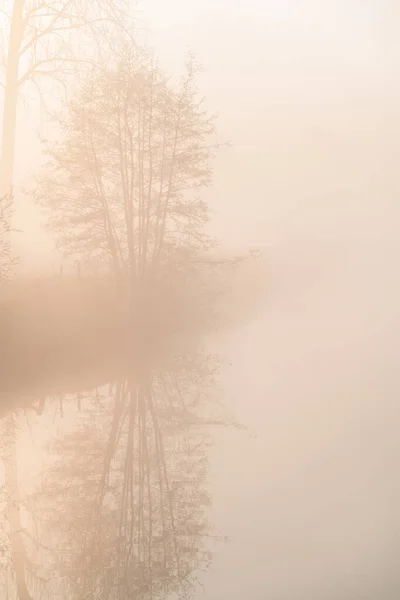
199,300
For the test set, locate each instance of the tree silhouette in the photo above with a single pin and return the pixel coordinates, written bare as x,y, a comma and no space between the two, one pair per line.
121,509
124,182
44,39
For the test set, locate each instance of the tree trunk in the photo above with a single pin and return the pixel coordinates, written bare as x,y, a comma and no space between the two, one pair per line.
7,157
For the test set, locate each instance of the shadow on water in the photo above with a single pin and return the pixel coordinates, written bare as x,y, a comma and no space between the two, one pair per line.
111,489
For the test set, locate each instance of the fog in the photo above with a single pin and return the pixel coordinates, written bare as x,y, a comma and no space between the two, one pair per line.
306,489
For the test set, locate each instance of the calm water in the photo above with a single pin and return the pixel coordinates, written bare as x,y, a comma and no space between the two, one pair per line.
311,505
128,490
111,487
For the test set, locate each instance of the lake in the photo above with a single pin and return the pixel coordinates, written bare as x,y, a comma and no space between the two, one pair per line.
278,433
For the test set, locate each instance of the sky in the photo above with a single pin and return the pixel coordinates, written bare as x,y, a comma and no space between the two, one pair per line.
306,93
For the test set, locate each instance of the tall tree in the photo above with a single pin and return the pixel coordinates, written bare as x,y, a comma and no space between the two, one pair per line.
124,180
44,39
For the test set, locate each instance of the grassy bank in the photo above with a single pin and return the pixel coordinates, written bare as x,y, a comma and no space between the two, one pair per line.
67,334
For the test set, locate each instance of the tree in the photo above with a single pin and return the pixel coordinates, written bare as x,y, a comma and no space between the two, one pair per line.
121,509
45,40
7,260
124,182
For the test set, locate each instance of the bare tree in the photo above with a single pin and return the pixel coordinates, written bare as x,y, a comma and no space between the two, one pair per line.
125,181
48,39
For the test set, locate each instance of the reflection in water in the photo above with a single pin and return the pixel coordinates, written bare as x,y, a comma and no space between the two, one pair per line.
115,507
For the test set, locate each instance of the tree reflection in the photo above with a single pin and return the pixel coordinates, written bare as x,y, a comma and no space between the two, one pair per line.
120,511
